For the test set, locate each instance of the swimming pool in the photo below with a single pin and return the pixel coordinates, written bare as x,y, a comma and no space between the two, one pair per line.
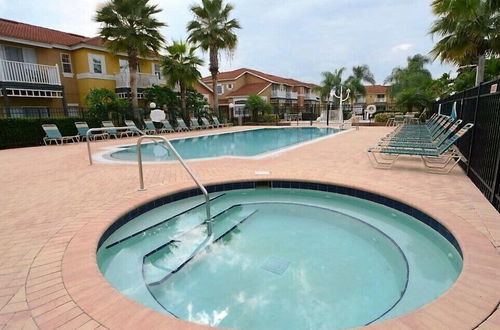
239,144
298,255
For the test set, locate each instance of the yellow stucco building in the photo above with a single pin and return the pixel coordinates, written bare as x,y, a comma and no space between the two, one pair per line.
45,73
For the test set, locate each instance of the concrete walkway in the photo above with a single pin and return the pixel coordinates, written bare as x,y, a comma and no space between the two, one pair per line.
54,207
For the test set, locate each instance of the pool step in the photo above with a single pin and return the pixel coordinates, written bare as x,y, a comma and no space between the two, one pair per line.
169,258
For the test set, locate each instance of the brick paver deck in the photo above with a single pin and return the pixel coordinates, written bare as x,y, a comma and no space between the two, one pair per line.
54,207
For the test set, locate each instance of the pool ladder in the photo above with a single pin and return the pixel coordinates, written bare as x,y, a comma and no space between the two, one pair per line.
176,154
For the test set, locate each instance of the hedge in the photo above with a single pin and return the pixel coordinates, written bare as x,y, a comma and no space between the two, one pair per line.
21,132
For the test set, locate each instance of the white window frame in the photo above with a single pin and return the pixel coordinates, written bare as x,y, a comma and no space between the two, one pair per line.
229,86
100,58
156,73
66,74
221,89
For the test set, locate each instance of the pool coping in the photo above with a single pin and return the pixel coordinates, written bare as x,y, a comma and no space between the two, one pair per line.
465,305
103,156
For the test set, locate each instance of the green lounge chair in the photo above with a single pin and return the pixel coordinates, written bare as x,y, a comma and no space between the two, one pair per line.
181,125
83,128
436,160
112,131
134,130
194,124
167,128
53,135
218,123
150,127
206,123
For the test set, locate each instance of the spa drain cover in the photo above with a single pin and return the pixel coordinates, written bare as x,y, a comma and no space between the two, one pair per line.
276,265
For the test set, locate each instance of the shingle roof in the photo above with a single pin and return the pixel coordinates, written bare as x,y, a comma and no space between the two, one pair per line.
35,33
236,73
376,89
249,89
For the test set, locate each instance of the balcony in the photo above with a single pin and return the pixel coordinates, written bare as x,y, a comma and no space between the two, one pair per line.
278,94
292,95
380,100
310,97
144,80
29,73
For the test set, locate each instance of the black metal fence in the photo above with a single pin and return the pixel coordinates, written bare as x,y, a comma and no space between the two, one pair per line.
480,106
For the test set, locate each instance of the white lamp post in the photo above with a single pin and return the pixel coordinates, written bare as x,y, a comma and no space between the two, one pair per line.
342,99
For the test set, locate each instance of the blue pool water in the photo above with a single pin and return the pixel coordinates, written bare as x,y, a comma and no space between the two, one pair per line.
279,259
246,143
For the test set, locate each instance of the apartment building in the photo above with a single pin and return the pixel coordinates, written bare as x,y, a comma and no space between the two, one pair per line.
234,88
43,69
377,95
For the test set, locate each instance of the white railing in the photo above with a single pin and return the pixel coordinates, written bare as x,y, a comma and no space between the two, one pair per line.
29,73
311,96
292,95
380,100
144,80
279,94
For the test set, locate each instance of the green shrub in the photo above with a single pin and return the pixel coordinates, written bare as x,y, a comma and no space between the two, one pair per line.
383,117
268,118
23,132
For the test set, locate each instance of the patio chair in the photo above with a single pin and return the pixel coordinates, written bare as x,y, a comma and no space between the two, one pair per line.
112,131
435,160
167,128
83,128
218,124
206,123
134,129
194,124
150,127
53,135
181,125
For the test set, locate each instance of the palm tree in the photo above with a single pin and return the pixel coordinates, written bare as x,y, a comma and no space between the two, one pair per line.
331,81
359,75
129,26
213,30
180,67
468,31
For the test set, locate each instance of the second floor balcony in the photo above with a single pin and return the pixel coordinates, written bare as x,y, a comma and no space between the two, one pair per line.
311,96
279,94
144,80
380,100
29,73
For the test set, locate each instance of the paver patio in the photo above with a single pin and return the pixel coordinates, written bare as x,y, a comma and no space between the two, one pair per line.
54,207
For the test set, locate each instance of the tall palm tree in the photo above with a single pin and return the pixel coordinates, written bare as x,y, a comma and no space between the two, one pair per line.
213,30
129,26
468,31
360,74
179,66
331,81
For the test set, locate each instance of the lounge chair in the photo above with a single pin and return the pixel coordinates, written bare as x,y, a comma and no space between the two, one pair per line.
436,160
133,128
150,127
53,135
206,123
218,124
194,124
181,125
83,128
112,131
167,128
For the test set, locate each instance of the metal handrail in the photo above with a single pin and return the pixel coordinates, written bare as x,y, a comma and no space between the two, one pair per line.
130,128
186,167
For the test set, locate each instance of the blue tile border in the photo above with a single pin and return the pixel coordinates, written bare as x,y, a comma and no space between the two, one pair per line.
343,190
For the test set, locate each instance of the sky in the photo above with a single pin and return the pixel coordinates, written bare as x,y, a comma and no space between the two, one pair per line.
294,38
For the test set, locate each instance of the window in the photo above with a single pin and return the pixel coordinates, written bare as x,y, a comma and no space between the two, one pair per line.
97,64
13,54
66,63
380,96
123,65
157,70
220,89
229,86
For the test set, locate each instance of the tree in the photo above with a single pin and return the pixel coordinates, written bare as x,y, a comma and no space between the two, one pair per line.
180,67
129,26
468,30
255,104
331,81
355,81
163,97
466,76
410,85
196,102
104,104
213,30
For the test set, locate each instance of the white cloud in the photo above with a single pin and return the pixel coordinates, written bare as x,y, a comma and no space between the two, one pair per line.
402,47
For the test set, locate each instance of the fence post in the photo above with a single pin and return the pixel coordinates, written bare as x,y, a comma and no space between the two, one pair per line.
473,133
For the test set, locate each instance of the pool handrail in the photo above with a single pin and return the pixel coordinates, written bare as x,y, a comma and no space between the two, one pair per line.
186,167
